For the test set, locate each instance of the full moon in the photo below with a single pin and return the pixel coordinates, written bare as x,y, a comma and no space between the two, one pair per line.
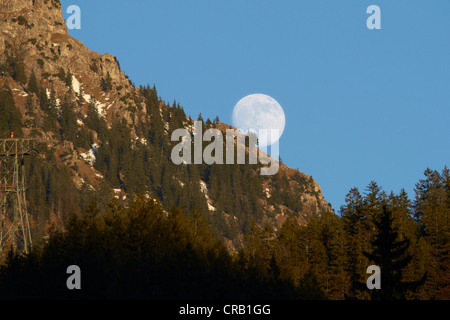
257,112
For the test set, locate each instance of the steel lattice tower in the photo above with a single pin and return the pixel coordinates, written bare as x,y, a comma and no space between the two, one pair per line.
15,228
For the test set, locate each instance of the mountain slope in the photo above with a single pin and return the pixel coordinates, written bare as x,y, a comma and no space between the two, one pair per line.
100,137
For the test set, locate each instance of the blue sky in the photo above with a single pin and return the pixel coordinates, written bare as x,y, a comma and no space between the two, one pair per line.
360,104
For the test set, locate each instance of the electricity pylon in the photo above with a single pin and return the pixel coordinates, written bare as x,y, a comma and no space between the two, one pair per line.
15,227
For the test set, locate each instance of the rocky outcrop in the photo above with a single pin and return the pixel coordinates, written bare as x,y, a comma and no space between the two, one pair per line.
35,31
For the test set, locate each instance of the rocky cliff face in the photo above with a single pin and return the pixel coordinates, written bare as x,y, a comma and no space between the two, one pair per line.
34,37
37,32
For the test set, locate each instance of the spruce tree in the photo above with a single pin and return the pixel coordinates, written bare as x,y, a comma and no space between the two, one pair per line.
292,258
390,254
10,116
356,226
432,212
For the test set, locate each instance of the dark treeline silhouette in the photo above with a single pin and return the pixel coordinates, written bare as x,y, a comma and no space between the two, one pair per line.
390,254
137,252
142,251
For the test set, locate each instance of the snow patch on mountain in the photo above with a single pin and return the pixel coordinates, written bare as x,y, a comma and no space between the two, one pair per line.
76,84
90,155
204,189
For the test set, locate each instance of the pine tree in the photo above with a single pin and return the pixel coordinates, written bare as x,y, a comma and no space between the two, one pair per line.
67,120
291,257
260,248
10,116
356,226
337,275
431,211
68,79
373,199
390,254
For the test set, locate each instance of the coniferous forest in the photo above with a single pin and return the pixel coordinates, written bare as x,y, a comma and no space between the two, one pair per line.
168,246
103,194
142,251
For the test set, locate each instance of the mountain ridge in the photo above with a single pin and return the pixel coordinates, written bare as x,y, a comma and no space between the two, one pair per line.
58,85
